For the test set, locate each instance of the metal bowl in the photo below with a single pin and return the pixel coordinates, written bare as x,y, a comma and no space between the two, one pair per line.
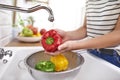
75,62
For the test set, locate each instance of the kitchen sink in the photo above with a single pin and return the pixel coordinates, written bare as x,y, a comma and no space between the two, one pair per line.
93,68
4,61
12,70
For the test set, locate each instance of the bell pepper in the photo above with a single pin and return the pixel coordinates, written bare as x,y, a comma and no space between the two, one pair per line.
51,40
60,61
46,66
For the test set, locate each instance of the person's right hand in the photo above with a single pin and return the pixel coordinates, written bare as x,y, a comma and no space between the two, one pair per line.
66,46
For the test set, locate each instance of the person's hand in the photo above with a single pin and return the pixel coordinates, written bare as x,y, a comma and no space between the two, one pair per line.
66,46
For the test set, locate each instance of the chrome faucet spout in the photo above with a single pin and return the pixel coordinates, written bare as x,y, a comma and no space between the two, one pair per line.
29,10
51,17
48,9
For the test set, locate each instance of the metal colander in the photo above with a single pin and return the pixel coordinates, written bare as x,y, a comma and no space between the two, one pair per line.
75,61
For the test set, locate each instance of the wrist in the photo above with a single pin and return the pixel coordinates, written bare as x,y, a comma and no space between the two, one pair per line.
74,45
78,44
69,35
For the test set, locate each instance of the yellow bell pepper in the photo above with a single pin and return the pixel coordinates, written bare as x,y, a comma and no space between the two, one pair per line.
60,61
37,35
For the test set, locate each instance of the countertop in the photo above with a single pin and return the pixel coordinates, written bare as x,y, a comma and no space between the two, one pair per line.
16,43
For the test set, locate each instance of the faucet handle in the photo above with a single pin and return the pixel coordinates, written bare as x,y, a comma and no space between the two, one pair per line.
5,53
8,52
1,53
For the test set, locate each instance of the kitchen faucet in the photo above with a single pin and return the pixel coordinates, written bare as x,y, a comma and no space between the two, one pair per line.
29,10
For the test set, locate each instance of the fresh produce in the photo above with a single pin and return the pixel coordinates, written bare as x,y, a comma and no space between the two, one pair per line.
60,61
46,66
42,31
56,63
34,29
27,32
51,40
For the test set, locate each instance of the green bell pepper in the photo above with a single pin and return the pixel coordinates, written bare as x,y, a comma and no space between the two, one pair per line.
46,66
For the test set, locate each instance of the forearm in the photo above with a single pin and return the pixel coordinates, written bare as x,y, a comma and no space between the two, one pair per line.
108,40
77,34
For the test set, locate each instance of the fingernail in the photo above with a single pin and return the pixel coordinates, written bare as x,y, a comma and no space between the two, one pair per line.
59,48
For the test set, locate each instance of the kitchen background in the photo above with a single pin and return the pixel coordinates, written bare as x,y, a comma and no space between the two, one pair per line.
68,15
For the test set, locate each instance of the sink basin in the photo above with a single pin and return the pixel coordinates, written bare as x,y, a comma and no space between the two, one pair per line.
93,69
4,62
12,71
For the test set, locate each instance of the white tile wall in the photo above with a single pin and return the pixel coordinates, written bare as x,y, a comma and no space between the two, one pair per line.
5,17
5,35
4,41
5,31
5,24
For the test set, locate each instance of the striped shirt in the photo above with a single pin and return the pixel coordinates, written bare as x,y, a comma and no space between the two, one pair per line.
102,16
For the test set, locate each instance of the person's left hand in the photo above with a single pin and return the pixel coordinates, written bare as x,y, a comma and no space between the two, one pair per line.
66,46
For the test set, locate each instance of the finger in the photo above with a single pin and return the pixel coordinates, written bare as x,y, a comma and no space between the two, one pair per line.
49,53
52,53
62,46
56,53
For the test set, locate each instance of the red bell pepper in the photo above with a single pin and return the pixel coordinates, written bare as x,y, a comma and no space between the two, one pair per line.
51,40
